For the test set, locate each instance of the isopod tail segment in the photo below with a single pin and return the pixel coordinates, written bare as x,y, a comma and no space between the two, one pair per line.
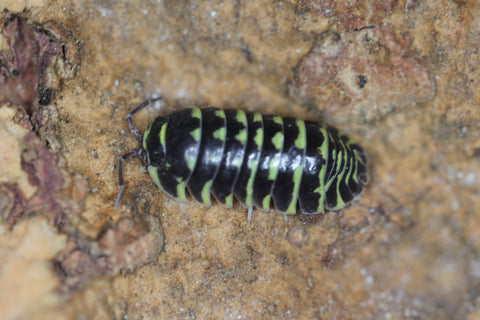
139,152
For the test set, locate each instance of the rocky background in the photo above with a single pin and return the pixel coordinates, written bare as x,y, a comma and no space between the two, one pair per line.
400,76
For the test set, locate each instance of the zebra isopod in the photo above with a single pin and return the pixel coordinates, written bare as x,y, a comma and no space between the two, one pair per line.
299,166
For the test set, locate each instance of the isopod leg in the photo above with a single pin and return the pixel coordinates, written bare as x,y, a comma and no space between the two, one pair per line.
129,115
249,215
121,182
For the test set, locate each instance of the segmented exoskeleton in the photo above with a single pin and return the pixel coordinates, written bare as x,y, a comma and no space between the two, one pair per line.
258,159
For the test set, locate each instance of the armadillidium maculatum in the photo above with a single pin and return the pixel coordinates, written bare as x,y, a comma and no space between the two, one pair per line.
301,165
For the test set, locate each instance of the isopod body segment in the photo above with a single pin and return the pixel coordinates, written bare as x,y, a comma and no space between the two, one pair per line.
258,159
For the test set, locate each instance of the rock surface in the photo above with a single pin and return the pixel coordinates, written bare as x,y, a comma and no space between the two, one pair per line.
401,77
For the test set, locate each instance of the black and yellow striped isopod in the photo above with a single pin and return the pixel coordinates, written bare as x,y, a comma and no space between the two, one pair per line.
300,166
